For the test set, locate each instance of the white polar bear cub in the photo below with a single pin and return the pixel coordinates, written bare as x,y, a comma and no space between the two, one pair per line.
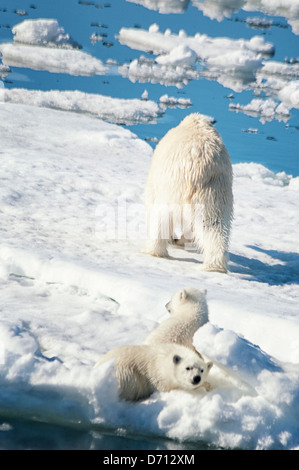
144,369
189,192
188,311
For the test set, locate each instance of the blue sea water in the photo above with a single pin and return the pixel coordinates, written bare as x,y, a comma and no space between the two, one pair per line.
275,144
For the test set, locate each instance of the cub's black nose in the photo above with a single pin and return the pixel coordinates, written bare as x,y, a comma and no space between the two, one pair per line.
196,379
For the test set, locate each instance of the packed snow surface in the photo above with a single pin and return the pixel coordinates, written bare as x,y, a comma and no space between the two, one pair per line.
75,284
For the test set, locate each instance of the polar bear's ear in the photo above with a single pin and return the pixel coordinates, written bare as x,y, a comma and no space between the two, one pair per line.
183,294
176,359
209,365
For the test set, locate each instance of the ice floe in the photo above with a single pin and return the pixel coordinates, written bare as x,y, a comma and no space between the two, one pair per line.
233,62
267,110
72,287
43,45
116,110
43,32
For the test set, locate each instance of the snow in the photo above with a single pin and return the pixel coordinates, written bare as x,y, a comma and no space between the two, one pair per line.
202,45
164,6
116,110
42,32
279,81
267,109
289,94
146,70
171,101
74,284
180,55
219,9
233,62
43,45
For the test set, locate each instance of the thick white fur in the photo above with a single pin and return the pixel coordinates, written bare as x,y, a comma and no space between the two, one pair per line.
143,369
190,184
188,311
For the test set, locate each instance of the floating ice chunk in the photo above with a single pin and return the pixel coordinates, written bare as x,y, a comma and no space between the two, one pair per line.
180,55
241,61
104,107
154,28
294,23
232,62
43,45
171,102
94,38
148,71
43,32
164,6
144,95
289,94
55,60
267,109
256,22
203,45
219,9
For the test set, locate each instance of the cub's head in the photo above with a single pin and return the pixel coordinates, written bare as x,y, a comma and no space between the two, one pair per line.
185,298
190,370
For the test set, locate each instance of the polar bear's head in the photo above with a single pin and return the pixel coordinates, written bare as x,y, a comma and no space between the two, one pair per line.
185,299
190,370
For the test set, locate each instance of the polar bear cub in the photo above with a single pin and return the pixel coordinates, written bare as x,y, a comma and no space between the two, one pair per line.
188,311
189,190
144,369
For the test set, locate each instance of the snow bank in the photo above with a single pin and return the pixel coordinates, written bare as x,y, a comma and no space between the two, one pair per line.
71,290
43,45
116,110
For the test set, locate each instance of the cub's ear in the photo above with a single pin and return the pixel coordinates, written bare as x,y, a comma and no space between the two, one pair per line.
209,365
183,294
176,359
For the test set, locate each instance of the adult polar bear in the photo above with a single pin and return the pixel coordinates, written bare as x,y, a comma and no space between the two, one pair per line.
190,184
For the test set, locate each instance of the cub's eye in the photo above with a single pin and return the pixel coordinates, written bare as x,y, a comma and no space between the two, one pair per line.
202,371
188,368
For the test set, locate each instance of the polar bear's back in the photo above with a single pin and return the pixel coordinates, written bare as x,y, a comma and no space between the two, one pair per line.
174,330
189,155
